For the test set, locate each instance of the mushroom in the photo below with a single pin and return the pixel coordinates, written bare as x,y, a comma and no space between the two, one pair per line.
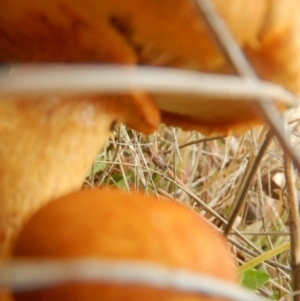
42,137
112,225
169,34
48,143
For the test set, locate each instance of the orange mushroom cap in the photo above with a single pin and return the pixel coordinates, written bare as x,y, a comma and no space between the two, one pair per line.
168,33
110,224
48,144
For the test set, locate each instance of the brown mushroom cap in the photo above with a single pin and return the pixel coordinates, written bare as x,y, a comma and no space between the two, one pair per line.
110,224
167,33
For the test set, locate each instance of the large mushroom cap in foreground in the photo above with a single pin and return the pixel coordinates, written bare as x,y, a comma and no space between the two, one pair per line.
161,33
110,224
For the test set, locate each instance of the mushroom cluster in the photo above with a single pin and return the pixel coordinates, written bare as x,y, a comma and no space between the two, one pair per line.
47,142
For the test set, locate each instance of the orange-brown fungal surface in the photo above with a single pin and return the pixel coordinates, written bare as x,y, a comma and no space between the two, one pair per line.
48,144
110,224
160,33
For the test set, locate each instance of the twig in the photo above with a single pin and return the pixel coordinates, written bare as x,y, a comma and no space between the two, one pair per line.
294,224
202,140
24,275
49,79
251,169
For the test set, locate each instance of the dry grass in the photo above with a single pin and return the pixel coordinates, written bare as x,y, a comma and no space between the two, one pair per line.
206,175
